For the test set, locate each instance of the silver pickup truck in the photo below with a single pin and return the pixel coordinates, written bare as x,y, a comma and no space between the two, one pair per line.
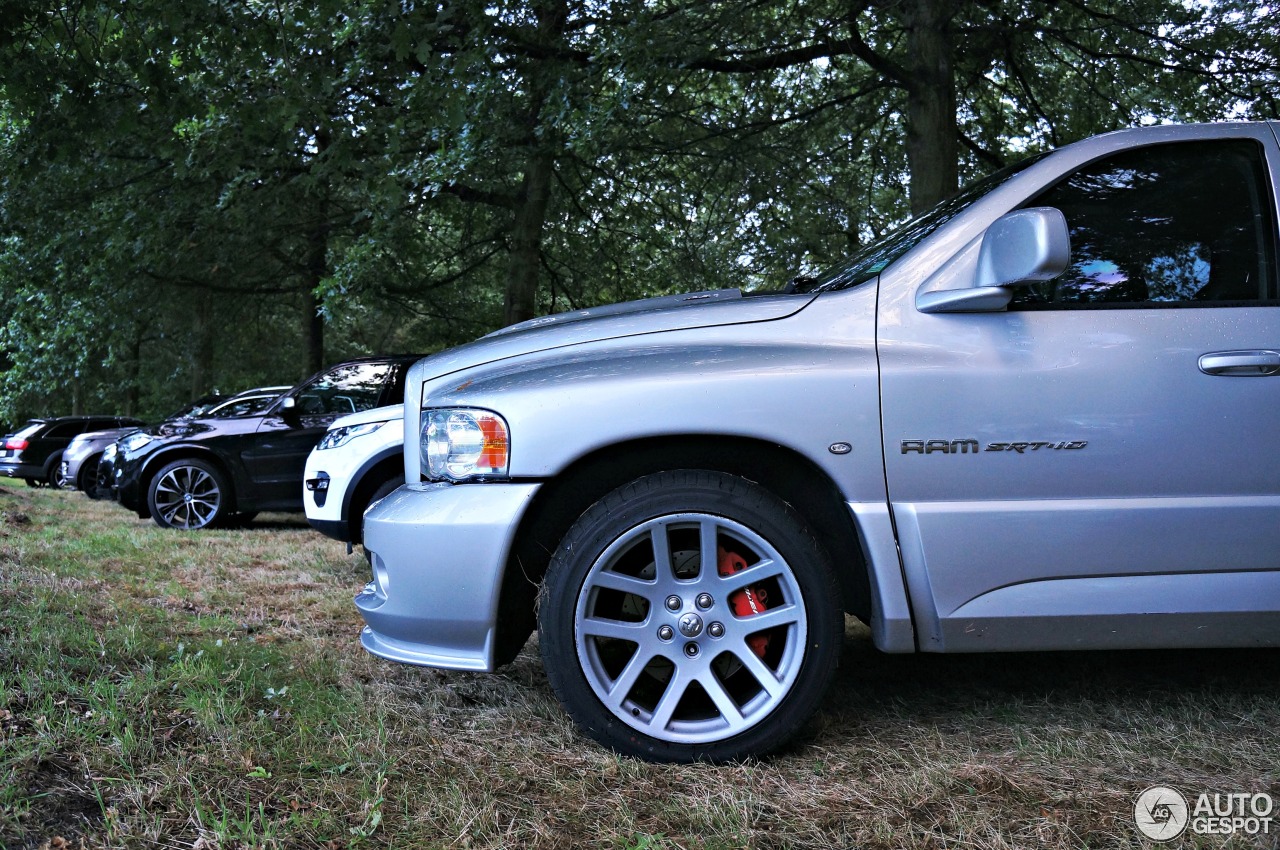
1043,416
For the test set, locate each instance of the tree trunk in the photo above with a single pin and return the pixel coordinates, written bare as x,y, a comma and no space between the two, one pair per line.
314,330
316,269
202,348
520,301
131,391
77,395
932,145
526,239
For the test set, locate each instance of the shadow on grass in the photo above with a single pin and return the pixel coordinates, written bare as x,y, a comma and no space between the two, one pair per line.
872,686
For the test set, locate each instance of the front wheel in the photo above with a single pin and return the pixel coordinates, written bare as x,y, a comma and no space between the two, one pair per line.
88,478
690,615
188,494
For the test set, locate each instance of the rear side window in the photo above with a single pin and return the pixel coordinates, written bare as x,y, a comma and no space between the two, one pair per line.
1177,224
65,430
28,430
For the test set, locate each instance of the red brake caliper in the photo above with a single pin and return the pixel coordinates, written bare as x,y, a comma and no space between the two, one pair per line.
746,602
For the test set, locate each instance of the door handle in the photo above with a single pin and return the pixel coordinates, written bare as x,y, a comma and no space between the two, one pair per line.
1241,364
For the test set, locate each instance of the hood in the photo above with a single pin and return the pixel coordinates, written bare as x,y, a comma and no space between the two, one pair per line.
106,434
644,305
631,318
181,427
373,414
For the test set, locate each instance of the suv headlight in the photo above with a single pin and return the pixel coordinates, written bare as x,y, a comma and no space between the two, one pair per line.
462,443
133,442
335,437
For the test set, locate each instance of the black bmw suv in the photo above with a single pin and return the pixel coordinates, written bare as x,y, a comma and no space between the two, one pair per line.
34,452
202,472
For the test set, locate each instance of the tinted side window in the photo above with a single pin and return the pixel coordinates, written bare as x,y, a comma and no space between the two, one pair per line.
1181,223
65,430
346,389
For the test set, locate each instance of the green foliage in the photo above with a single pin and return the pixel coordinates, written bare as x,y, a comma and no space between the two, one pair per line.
236,193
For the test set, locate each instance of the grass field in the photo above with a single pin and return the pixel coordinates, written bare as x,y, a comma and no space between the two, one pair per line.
207,690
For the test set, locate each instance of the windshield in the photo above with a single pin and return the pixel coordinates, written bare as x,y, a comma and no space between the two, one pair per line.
876,257
195,408
241,405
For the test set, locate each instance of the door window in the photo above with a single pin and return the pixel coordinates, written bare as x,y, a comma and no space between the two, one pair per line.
1176,224
347,389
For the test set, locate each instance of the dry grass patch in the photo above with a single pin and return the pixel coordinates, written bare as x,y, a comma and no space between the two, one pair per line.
208,690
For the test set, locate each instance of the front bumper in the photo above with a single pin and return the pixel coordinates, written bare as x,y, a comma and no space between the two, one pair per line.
71,468
335,528
438,554
123,479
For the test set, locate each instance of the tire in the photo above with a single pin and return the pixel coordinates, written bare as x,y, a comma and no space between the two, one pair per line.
386,488
188,494
102,480
665,658
87,478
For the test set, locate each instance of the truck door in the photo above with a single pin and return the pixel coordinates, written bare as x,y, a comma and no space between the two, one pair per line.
1105,448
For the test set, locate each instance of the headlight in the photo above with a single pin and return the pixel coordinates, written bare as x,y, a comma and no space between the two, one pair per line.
134,441
335,437
460,443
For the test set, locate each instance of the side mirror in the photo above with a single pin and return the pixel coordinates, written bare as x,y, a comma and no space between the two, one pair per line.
1020,248
289,412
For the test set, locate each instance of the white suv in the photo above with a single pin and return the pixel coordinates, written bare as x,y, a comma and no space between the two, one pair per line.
359,460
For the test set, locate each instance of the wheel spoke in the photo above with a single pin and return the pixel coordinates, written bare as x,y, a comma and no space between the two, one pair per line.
166,485
624,583
617,629
662,568
670,699
757,572
626,680
783,615
759,670
710,557
728,708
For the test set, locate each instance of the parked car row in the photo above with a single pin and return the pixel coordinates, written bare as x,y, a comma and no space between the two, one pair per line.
80,460
221,459
35,451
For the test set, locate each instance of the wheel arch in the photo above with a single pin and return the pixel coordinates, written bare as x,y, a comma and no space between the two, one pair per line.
388,463
90,463
557,505
51,463
160,460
